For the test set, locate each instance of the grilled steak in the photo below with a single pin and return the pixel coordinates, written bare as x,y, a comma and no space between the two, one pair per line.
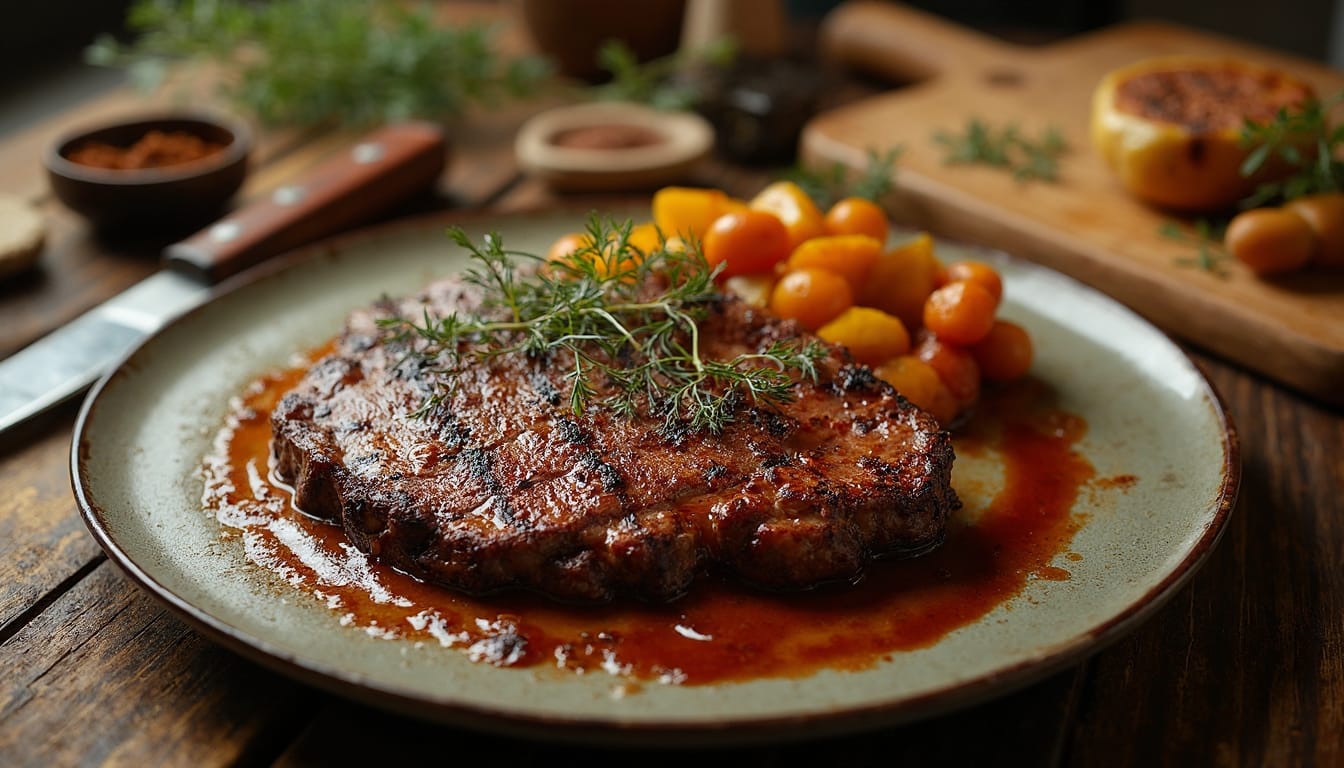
502,486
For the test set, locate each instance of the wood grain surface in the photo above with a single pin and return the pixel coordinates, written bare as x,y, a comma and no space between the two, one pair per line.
1086,225
1245,666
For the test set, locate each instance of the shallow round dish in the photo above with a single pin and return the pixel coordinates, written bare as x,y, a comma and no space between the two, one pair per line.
145,429
165,197
668,145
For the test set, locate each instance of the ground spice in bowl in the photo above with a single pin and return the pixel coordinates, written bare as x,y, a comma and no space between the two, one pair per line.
607,136
156,149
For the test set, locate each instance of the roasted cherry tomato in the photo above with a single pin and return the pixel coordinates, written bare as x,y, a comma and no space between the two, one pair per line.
1005,353
960,312
813,297
955,366
687,212
901,280
746,242
1270,240
1325,214
787,201
919,383
976,272
850,256
857,216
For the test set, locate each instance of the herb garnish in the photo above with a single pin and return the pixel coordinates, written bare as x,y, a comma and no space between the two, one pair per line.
1207,239
1005,148
302,62
663,83
1315,171
630,346
829,186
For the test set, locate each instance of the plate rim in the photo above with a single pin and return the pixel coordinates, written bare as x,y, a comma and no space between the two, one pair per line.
600,730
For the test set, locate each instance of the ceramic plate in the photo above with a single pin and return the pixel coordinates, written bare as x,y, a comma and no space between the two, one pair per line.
144,430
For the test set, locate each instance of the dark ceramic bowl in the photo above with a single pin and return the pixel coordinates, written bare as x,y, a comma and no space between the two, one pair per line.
166,197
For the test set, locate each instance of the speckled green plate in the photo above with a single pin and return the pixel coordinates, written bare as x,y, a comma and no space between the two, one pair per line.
144,429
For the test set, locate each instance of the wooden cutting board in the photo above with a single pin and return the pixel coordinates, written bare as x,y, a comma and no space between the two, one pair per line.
1085,225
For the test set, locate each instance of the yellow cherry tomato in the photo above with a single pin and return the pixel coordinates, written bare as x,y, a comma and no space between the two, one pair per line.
976,272
857,216
901,280
870,335
960,312
850,256
687,212
787,201
919,383
813,297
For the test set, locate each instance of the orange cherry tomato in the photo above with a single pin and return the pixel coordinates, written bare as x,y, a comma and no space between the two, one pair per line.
955,366
787,201
687,212
1324,213
813,297
857,216
850,256
746,242
960,312
1005,353
901,280
919,383
1270,241
976,272
567,245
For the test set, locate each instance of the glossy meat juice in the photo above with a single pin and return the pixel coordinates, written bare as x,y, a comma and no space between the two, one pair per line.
1018,469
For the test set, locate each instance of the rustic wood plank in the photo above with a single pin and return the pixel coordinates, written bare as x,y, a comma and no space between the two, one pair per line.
107,676
1245,666
45,542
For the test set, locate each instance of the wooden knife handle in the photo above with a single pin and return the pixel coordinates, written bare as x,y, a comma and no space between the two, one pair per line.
903,44
384,168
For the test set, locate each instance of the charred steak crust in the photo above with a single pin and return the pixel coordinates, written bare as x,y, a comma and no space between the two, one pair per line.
503,487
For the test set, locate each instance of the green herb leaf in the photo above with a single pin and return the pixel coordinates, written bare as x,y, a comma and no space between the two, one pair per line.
302,62
661,83
1285,136
830,185
1207,241
1007,148
630,347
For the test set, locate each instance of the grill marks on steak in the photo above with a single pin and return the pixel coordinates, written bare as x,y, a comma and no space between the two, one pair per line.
502,486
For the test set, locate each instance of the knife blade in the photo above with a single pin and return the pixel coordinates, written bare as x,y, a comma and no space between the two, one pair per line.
383,168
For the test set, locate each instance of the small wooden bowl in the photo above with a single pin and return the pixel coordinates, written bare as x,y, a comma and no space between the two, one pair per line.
164,197
643,147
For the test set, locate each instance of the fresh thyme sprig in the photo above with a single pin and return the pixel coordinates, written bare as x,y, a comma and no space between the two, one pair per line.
1207,239
1005,148
827,186
1314,171
631,344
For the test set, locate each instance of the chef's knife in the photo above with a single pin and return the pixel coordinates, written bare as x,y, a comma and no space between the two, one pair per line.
387,166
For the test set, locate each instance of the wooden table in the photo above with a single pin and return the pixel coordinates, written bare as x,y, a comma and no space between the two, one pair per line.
1245,666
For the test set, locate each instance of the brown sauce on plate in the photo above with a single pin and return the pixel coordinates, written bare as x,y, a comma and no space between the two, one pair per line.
1013,528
